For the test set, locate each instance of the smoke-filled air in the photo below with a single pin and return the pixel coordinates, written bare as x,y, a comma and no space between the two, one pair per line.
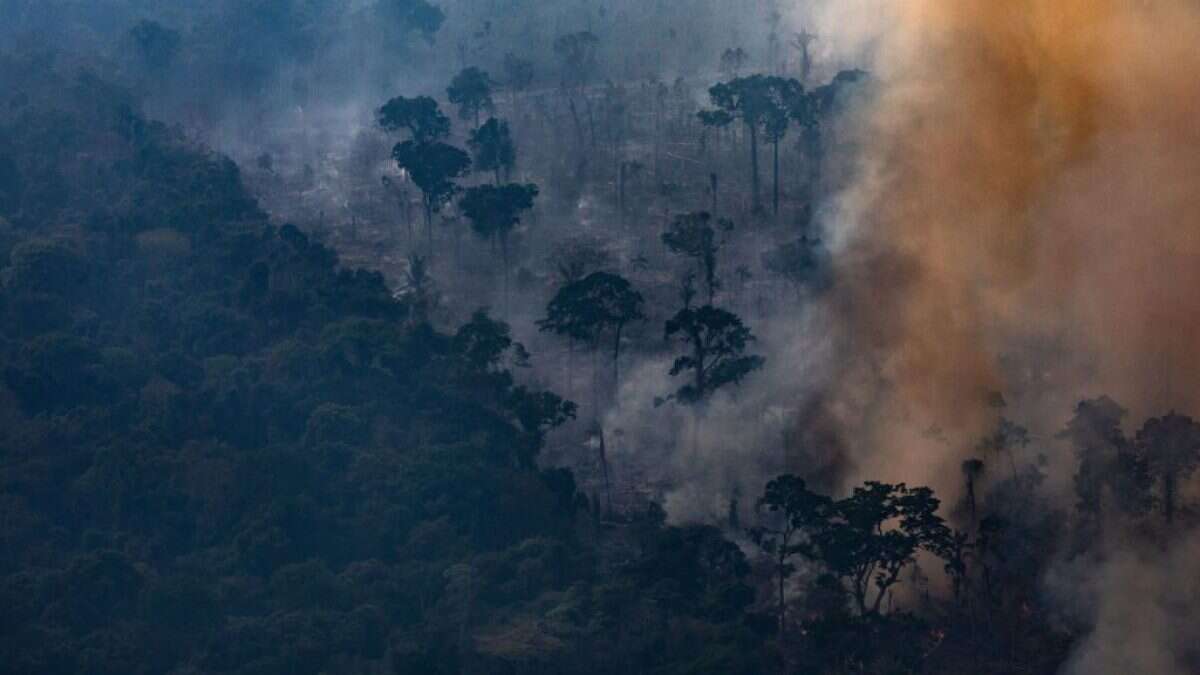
514,337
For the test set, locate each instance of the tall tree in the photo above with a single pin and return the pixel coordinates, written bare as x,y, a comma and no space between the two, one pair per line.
495,210
420,117
414,15
155,45
1111,473
692,235
716,342
493,148
747,100
518,74
598,304
471,91
793,517
733,60
1171,447
783,96
577,52
433,167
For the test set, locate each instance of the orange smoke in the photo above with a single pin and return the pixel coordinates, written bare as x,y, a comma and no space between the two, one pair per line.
1032,178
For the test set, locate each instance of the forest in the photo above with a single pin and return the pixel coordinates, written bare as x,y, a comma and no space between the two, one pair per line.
518,337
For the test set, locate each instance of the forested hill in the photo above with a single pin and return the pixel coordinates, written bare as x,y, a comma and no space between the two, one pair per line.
220,451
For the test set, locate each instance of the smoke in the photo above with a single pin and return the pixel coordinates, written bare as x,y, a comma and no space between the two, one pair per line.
1024,220
1139,604
697,460
1029,178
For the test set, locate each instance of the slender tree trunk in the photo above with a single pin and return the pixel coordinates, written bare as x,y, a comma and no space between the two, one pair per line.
604,470
1169,497
782,602
617,359
621,191
504,259
595,385
429,226
775,191
754,182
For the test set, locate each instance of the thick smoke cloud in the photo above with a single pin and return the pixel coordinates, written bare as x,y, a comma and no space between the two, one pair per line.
1029,180
1025,221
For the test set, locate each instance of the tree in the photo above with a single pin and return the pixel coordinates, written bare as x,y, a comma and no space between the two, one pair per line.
802,263
972,470
577,51
717,341
419,290
578,257
1111,471
1171,447
747,100
471,91
433,167
692,235
859,550
518,73
495,210
1005,438
420,117
782,95
865,540
493,147
578,54
156,45
418,15
733,60
799,515
588,308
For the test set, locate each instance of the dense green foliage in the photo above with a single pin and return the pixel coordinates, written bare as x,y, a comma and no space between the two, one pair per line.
223,452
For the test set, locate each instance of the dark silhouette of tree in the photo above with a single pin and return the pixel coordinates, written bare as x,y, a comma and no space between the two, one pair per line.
1111,472
577,52
865,540
802,263
420,117
1005,439
156,45
716,341
796,516
783,97
860,547
692,235
415,15
801,42
471,91
419,290
598,304
493,148
518,74
433,167
1171,448
494,211
747,100
733,60
972,470
578,257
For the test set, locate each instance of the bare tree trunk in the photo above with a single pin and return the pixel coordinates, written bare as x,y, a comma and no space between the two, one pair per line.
754,181
429,226
1169,497
775,194
504,258
604,470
